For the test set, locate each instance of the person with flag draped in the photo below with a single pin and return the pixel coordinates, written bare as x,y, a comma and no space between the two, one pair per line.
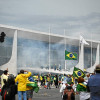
81,89
29,89
32,85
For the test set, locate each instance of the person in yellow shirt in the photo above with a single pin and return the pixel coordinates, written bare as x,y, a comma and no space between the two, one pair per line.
21,79
37,77
48,82
41,80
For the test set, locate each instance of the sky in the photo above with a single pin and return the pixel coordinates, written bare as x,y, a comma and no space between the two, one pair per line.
74,16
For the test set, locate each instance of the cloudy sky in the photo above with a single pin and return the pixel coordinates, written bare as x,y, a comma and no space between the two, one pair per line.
74,16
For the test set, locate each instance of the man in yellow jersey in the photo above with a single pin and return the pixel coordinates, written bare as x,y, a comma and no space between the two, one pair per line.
22,79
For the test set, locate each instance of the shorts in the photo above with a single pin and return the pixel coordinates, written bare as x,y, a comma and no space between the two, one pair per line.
29,93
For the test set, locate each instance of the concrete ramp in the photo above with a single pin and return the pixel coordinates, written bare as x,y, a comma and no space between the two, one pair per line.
12,64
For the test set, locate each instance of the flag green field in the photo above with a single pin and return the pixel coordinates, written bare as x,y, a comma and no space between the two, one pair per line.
70,55
34,85
78,72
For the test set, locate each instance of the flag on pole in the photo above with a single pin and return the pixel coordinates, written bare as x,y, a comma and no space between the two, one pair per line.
83,41
70,55
78,72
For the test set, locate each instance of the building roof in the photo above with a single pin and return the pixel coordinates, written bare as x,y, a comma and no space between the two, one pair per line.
44,36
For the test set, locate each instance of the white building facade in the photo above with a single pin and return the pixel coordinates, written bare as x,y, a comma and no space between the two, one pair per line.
28,49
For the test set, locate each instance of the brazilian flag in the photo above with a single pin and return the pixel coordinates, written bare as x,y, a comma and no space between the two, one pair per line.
78,72
34,85
70,55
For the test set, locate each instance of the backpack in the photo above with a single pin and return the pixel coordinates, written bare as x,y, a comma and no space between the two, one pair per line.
6,93
68,93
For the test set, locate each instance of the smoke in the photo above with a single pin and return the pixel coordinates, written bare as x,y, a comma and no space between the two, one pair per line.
32,53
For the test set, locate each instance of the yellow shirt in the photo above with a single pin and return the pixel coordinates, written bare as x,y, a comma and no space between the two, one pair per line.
21,79
41,78
48,79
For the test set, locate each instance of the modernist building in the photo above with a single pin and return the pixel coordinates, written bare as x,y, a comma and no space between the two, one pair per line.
28,49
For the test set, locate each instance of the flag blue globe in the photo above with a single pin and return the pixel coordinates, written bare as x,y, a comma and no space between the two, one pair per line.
71,55
79,73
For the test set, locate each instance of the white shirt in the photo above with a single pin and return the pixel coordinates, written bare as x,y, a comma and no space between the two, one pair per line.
3,76
62,88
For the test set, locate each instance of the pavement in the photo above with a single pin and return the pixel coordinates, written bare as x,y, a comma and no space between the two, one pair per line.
47,94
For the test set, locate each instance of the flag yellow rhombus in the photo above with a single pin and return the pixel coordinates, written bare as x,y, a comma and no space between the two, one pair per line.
70,55
79,73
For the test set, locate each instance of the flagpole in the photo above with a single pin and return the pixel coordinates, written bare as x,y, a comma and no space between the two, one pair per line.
79,49
65,46
91,49
49,48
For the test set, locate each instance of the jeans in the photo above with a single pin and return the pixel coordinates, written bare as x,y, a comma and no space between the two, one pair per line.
20,93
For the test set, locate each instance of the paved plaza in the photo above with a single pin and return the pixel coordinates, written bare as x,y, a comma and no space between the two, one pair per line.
47,94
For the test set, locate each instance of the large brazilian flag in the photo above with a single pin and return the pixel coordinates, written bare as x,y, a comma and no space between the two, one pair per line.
34,85
70,55
78,73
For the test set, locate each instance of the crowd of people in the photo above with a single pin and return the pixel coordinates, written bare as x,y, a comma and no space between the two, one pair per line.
87,87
